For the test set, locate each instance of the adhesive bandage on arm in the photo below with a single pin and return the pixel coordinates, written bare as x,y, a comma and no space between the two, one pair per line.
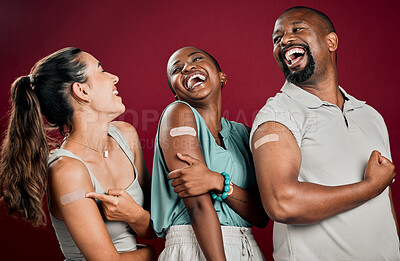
180,131
265,139
72,197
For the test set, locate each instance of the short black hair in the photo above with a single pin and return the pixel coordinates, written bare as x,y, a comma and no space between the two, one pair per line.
327,23
212,58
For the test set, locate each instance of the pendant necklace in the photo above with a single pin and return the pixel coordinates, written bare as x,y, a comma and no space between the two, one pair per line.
104,153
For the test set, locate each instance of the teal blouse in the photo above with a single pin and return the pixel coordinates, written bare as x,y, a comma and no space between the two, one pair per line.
167,209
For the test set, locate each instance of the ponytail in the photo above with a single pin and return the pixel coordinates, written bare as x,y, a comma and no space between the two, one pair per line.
24,155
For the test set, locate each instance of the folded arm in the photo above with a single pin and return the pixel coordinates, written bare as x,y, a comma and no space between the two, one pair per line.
197,179
288,200
203,217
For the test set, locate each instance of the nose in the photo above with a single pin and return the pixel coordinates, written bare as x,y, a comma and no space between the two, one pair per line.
286,39
114,78
188,67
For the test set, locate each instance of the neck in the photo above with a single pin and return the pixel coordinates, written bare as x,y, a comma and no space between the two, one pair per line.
212,112
90,130
325,88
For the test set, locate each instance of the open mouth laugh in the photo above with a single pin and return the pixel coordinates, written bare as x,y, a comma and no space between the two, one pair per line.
293,55
193,80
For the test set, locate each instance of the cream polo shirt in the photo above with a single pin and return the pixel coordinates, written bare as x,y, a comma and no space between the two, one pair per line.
335,147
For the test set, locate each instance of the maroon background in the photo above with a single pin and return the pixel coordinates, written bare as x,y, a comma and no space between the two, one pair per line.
134,39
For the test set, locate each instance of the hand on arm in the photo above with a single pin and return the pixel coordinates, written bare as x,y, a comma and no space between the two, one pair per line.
82,217
203,217
118,205
197,179
288,200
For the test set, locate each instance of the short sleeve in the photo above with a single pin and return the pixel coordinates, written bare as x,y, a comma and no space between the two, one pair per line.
272,111
382,126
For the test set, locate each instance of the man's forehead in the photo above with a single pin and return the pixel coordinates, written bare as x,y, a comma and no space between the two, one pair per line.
294,17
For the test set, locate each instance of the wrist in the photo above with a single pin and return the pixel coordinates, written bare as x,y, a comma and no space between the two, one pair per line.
227,188
366,191
219,183
138,215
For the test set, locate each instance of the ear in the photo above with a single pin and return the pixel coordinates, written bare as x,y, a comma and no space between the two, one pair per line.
223,78
80,91
333,41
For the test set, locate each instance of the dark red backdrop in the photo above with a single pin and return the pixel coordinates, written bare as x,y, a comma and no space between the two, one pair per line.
134,39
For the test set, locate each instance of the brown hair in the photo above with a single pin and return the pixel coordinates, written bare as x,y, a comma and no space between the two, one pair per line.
25,149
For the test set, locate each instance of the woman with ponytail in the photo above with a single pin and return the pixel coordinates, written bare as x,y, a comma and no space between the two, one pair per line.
74,94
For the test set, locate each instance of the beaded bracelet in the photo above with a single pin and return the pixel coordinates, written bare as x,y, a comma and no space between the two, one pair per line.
227,188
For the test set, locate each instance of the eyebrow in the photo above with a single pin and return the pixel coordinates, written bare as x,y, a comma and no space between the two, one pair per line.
294,23
193,53
190,54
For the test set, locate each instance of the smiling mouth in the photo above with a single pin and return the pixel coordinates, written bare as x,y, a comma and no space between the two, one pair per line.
193,80
293,55
115,92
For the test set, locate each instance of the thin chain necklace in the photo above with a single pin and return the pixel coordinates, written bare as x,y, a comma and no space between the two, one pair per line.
105,153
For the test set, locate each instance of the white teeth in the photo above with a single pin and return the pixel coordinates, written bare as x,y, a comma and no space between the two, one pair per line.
197,84
292,51
200,76
115,92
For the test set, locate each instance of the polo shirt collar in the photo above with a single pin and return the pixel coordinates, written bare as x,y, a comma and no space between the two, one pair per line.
351,102
312,101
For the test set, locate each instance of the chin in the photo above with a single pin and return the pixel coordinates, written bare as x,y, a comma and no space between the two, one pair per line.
121,109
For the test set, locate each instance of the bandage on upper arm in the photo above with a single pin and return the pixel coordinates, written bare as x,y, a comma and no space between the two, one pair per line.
265,139
72,197
184,130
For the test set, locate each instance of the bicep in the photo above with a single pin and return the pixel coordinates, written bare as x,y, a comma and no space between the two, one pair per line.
178,134
81,215
277,157
171,144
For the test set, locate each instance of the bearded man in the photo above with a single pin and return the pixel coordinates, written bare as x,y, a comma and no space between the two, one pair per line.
322,157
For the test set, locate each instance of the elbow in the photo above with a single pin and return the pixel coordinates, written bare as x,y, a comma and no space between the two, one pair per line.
282,207
280,215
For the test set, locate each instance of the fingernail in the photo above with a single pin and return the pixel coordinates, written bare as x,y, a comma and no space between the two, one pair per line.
87,195
179,154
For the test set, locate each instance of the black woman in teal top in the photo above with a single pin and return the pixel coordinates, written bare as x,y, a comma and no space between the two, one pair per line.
197,152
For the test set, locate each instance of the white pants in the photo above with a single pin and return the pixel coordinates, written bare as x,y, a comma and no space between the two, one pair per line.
181,245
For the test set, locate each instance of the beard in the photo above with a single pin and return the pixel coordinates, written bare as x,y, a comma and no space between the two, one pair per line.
297,77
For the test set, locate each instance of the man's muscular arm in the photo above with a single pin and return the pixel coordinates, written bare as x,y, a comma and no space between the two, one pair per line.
287,200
